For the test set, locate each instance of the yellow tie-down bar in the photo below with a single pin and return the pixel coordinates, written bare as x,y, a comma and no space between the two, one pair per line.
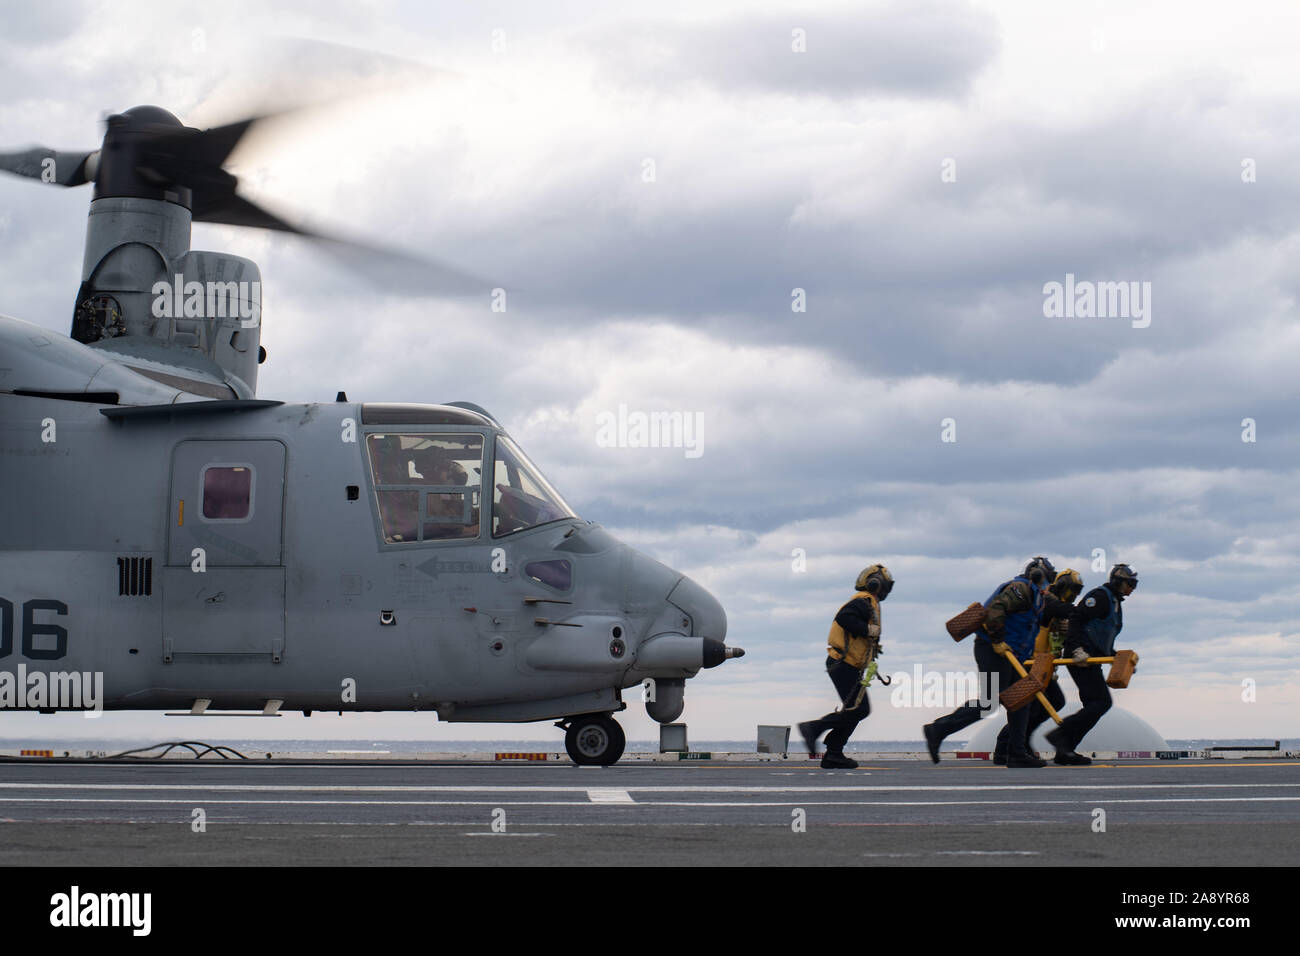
1031,686
1123,664
1070,660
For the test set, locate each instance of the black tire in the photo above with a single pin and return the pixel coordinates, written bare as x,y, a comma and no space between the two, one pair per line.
594,740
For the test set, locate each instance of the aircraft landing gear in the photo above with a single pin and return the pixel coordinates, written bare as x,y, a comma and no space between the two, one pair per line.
594,740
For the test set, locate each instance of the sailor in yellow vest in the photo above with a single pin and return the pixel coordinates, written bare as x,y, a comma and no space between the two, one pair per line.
854,643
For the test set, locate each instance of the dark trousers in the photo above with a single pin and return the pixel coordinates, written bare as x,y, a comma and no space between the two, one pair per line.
843,722
996,674
1037,714
1094,695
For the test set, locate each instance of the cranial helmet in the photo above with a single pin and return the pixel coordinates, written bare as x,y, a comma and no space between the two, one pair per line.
1123,574
876,580
1068,586
1040,571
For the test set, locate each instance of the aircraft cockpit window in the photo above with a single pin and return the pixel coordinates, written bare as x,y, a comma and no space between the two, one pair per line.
522,498
427,487
227,492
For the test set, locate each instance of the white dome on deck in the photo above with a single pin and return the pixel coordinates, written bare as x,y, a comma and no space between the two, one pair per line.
1117,730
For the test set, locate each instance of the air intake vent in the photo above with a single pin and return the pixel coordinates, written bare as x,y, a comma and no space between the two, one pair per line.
135,576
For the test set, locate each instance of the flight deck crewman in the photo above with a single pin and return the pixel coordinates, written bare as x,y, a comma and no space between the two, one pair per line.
1094,624
1058,603
853,643
1011,624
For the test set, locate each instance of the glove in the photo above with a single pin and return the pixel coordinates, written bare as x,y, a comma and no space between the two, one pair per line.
873,630
1000,648
1080,656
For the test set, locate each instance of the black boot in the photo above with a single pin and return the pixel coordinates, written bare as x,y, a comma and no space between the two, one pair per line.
1000,756
933,738
834,760
1024,760
1069,758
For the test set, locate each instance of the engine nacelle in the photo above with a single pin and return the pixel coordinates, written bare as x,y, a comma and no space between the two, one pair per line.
143,286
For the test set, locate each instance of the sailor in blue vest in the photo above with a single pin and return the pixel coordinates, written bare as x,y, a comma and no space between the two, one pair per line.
1011,623
1094,624
1057,607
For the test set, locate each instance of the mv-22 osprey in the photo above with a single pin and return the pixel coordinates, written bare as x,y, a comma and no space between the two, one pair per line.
205,549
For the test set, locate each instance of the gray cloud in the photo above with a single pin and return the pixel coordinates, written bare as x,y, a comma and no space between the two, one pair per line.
893,49
42,23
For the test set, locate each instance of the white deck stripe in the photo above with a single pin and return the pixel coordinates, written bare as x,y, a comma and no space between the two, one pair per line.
190,801
608,795
492,788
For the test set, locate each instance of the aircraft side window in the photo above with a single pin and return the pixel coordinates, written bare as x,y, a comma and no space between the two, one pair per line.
227,492
556,574
428,487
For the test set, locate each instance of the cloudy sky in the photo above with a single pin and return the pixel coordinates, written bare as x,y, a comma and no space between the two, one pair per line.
652,184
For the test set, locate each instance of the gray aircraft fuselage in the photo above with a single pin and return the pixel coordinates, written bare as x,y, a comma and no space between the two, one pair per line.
108,564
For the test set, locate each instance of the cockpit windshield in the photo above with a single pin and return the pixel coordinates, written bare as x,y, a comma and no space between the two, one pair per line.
523,498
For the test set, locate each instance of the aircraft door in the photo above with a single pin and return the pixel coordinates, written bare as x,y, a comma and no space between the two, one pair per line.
223,586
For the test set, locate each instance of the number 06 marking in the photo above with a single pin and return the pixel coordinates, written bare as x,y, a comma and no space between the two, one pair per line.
33,630
6,627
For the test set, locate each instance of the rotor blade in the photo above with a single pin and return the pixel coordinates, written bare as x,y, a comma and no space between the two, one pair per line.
48,165
194,158
308,76
402,273
394,271
186,148
294,75
235,210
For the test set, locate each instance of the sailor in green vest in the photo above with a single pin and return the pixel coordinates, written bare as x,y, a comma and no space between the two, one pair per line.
853,645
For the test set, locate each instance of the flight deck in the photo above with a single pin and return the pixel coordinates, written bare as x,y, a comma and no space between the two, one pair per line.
460,810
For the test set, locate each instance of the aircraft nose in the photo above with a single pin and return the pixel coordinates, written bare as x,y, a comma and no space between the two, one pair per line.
708,619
